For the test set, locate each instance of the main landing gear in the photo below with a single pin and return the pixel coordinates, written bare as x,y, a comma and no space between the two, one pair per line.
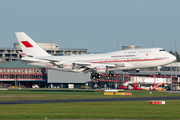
95,76
158,71
111,74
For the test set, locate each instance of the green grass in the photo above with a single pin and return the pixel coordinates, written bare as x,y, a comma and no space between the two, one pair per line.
85,110
92,110
29,94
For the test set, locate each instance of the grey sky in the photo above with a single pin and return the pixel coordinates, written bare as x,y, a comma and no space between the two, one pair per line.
93,24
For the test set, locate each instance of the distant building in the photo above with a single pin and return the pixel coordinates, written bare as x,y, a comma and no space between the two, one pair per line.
130,47
12,54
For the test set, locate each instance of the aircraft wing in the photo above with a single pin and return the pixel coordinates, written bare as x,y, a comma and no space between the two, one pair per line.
85,64
77,66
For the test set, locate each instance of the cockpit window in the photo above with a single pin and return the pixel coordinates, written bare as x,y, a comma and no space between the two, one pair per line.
162,50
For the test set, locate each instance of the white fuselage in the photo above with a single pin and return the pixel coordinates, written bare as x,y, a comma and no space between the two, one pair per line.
133,59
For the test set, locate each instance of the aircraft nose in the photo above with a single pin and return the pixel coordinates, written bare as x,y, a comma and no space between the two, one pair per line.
173,58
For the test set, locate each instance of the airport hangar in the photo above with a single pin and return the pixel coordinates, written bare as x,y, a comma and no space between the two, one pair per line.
14,73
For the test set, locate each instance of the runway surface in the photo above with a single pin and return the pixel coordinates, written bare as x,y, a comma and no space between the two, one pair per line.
89,100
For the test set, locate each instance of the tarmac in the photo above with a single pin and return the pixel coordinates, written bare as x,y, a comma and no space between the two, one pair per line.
173,92
89,100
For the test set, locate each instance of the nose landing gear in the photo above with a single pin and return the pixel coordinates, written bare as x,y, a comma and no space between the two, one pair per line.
158,71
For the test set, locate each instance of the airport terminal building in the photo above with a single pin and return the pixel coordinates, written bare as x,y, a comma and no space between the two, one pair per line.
17,74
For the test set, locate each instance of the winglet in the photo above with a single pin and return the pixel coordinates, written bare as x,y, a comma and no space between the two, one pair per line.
28,46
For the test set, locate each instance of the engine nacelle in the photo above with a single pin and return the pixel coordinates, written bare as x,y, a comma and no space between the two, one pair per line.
69,66
102,69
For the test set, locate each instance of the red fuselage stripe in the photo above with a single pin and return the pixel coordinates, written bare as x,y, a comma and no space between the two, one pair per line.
112,61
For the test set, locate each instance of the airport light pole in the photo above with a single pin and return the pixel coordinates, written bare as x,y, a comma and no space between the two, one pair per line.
123,77
171,76
176,55
10,48
171,71
152,41
51,44
66,44
118,44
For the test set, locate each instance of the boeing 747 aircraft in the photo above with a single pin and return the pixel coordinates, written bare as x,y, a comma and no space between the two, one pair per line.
132,59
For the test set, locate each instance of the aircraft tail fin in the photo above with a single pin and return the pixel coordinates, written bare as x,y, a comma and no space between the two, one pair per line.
28,46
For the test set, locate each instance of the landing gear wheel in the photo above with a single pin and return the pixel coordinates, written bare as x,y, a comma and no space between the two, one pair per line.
158,73
111,74
95,76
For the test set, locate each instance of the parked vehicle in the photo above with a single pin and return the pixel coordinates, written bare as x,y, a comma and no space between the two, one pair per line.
84,87
35,86
137,88
122,87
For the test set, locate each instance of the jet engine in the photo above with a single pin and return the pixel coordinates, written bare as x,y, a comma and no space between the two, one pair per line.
102,69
